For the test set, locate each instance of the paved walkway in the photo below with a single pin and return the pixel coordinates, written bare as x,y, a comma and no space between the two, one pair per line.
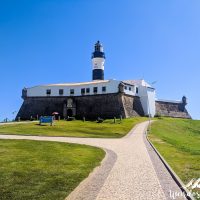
127,172
22,122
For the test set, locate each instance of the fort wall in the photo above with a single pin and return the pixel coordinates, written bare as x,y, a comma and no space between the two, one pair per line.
172,109
90,107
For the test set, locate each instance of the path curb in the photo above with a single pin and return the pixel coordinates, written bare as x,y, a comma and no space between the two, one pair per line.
171,171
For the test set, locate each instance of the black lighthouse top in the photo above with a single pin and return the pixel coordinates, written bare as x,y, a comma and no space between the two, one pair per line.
98,51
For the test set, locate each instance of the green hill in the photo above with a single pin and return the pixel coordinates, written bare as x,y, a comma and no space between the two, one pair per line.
178,141
77,128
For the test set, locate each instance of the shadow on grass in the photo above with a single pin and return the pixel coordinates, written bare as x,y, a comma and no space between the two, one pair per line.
42,124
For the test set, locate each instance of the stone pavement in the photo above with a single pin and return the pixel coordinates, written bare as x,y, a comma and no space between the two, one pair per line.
22,122
127,171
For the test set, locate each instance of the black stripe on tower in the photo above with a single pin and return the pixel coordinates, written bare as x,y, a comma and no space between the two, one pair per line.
98,54
98,74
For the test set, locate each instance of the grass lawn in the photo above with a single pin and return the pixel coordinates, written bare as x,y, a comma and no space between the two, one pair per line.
77,128
178,141
43,170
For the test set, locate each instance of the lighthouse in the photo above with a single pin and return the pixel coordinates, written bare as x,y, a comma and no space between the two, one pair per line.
98,59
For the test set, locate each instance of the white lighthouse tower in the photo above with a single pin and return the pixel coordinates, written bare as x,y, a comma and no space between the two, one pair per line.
98,59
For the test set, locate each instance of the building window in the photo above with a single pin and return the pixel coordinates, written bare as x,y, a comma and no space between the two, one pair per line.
136,90
87,90
103,89
125,87
95,90
48,92
61,91
71,91
82,91
129,88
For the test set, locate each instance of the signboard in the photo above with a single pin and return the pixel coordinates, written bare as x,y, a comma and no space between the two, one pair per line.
46,119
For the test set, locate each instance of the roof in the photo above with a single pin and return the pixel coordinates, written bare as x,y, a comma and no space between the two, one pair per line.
137,82
79,83
75,84
129,82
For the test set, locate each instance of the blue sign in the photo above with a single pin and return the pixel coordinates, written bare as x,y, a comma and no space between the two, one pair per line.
46,119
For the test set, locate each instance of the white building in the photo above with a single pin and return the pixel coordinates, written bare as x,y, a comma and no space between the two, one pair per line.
97,87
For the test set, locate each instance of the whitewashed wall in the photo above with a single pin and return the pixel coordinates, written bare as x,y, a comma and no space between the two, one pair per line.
151,98
130,91
147,97
40,91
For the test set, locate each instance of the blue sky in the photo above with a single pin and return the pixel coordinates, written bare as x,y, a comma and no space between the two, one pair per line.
52,41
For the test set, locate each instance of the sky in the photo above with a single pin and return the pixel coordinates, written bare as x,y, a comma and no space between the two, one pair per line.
51,41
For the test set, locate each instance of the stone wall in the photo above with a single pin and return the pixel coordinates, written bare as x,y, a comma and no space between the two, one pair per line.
41,106
105,106
132,106
172,109
90,107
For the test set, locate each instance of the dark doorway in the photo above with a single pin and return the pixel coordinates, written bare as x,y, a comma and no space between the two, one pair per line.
69,113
